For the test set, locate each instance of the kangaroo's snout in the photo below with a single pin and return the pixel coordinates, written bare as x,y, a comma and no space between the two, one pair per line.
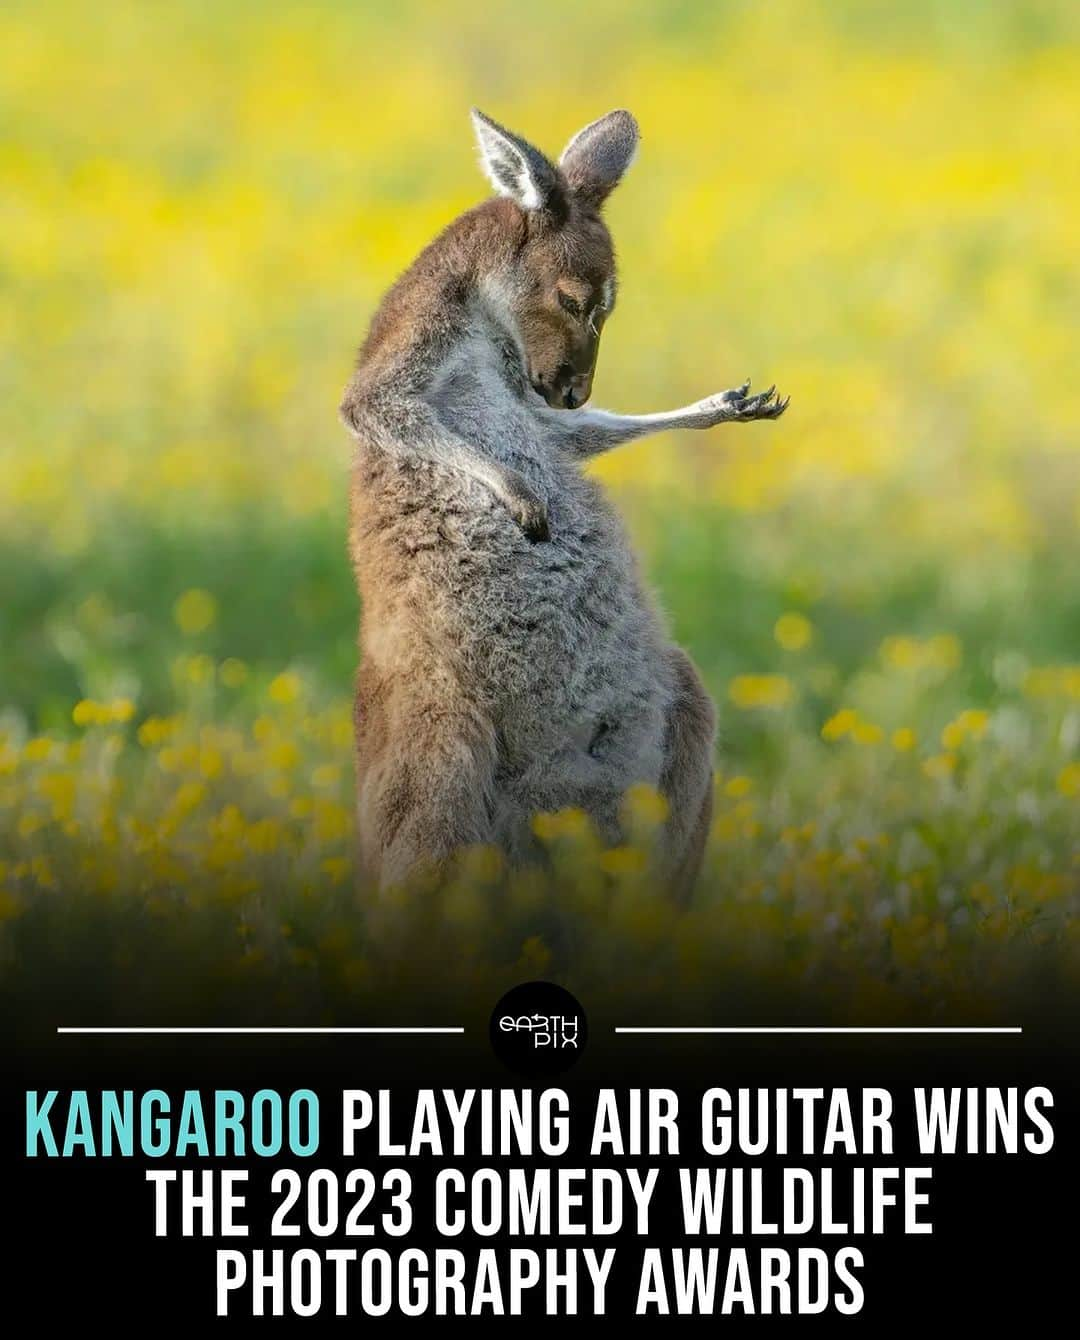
567,389
578,390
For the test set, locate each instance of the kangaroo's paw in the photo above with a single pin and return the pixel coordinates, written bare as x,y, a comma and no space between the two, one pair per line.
738,406
530,514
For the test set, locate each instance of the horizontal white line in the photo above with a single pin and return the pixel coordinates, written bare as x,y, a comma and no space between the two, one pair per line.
820,1030
260,1030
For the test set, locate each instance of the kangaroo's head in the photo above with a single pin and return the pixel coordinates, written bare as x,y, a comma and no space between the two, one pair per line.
561,287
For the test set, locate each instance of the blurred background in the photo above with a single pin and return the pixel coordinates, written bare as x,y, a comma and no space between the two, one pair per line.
874,205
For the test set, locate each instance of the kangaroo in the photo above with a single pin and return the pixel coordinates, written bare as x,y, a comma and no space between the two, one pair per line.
512,661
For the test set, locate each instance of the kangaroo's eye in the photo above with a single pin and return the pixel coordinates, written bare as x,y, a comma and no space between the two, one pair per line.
569,305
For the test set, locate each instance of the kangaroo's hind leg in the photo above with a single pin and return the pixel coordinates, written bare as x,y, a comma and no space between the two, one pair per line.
687,777
425,770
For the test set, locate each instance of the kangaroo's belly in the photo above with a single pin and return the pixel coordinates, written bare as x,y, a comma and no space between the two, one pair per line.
556,641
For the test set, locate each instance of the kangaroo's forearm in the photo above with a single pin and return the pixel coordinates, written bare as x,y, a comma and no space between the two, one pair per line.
406,427
588,432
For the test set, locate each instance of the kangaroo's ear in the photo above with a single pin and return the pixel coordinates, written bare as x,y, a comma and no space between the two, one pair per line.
515,168
596,158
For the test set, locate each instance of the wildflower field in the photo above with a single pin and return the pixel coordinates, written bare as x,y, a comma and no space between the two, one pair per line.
875,206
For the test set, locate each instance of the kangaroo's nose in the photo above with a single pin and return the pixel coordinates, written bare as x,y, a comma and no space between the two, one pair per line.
577,392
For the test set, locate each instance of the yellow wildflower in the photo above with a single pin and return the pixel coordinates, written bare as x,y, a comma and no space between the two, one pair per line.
195,611
765,691
793,631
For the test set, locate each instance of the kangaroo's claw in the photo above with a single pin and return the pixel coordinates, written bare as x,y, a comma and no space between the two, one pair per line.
764,405
738,394
531,516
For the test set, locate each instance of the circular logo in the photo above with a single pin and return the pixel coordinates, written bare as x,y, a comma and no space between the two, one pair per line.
538,1028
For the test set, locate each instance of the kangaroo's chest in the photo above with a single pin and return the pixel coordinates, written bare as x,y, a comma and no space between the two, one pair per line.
480,395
